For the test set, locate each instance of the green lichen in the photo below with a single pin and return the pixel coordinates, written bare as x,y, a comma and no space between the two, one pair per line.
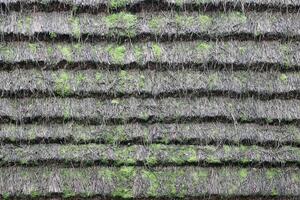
122,24
62,84
157,51
117,54
66,52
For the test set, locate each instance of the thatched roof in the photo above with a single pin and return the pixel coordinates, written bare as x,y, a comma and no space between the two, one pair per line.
150,99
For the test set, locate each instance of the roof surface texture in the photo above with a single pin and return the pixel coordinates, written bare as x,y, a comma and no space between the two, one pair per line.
163,99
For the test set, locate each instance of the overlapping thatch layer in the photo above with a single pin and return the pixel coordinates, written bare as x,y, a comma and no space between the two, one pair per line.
149,83
122,3
190,133
129,182
165,110
246,53
147,99
159,24
152,155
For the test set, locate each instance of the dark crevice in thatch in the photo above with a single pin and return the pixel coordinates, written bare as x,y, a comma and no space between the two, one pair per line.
111,163
136,141
89,38
55,196
257,66
153,5
149,120
180,93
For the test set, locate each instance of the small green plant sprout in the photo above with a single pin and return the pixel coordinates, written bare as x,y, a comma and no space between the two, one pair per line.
122,24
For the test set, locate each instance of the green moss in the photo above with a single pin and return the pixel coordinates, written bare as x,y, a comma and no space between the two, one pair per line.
115,101
283,78
157,51
138,53
205,21
274,192
98,76
52,35
236,17
24,22
80,78
272,173
125,20
202,174
203,47
7,53
34,194
75,24
243,173
117,3
49,51
5,195
66,52
142,81
286,52
184,21
212,80
156,23
153,181
66,112
62,84
213,159
68,193
125,177
117,54
33,48
106,174
151,160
